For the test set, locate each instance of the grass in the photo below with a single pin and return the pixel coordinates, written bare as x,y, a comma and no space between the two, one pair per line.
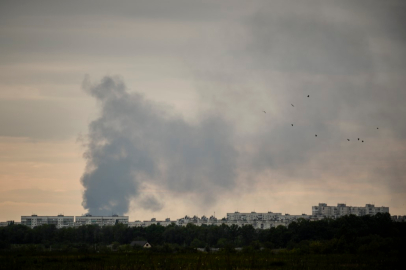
150,260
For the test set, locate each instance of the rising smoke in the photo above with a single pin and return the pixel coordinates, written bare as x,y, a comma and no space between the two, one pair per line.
136,142
348,57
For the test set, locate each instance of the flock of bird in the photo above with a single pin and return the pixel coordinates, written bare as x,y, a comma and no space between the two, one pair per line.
316,134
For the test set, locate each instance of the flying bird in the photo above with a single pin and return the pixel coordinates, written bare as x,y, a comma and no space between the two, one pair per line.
348,139
377,128
292,125
358,139
308,95
315,135
362,141
264,111
292,105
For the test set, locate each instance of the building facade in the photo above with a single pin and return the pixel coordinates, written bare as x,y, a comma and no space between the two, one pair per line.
263,220
60,221
100,220
8,223
147,223
399,218
257,220
342,209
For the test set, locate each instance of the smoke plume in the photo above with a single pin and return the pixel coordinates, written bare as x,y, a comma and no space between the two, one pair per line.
136,142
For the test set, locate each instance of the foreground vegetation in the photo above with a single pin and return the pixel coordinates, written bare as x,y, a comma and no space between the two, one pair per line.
264,259
349,234
369,242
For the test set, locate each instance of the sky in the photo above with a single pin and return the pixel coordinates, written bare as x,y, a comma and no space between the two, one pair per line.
173,108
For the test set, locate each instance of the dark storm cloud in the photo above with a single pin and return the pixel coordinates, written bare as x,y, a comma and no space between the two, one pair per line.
136,141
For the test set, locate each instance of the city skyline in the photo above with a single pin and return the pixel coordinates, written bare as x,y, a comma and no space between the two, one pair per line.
322,209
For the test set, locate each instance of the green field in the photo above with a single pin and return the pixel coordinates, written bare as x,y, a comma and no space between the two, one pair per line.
194,260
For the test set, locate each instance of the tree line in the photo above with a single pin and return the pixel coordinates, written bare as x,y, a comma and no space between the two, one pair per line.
348,234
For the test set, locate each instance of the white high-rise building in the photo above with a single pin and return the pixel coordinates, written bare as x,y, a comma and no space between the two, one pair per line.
147,223
100,220
253,216
60,221
342,209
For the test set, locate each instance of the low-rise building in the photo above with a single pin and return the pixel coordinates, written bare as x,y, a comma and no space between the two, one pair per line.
398,218
7,223
142,244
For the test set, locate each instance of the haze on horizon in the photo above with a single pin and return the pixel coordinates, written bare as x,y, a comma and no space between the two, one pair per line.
157,109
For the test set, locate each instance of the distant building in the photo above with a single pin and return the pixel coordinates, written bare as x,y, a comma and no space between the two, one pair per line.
253,216
195,220
100,220
147,223
136,223
342,209
9,222
60,221
257,220
262,220
399,218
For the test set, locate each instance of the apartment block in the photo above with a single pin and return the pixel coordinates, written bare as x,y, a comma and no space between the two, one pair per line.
100,220
147,223
8,223
342,209
60,221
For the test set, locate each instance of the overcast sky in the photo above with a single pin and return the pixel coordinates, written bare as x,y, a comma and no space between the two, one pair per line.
157,108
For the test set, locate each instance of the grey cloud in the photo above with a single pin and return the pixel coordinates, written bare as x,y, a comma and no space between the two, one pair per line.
135,141
151,9
150,203
50,30
290,42
348,57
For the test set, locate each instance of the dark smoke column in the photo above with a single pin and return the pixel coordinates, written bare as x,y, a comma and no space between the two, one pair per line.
134,142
